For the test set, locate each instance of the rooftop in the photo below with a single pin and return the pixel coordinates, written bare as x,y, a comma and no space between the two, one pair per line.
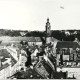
29,39
19,38
4,53
67,44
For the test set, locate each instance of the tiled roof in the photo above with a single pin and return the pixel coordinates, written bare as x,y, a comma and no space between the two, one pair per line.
67,44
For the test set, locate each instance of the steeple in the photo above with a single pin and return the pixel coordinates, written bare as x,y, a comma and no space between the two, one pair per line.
48,28
48,31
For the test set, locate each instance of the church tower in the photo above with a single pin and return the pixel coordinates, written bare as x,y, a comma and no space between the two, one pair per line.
48,28
48,32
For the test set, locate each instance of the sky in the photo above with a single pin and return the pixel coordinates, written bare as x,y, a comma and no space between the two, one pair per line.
32,14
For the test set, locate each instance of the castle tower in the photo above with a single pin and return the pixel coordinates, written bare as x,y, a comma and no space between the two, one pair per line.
48,28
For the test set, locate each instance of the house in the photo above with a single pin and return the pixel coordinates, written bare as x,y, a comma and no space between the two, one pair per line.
67,53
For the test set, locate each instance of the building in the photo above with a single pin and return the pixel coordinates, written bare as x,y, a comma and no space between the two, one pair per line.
7,63
6,40
59,75
48,37
31,40
68,58
67,53
48,28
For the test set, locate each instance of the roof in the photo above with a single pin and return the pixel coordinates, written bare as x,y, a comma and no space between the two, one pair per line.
4,53
28,39
4,66
67,44
19,38
43,68
52,39
59,75
28,74
38,39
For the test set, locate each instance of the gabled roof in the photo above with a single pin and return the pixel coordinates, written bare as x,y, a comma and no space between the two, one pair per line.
67,44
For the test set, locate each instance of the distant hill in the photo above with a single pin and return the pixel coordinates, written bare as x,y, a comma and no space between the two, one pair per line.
66,35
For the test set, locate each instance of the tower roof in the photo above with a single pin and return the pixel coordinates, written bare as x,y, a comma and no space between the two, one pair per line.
47,23
47,19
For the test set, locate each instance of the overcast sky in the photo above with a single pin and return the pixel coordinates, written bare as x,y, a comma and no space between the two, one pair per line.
32,14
